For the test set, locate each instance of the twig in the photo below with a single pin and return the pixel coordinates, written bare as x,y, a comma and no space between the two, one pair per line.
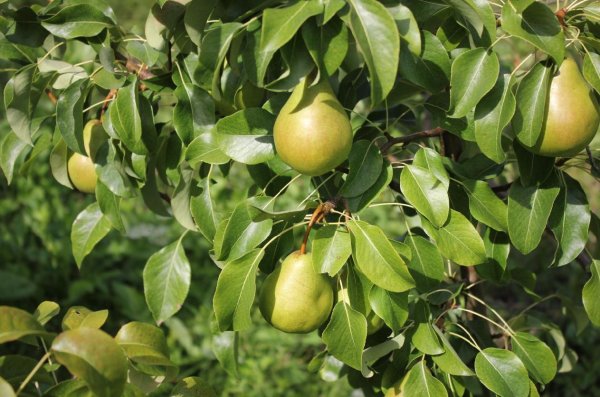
52,97
593,163
436,132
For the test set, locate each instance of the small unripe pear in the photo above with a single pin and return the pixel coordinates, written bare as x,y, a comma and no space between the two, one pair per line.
572,117
294,297
312,132
82,173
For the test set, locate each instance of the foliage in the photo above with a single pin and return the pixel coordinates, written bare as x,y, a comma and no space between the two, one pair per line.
442,221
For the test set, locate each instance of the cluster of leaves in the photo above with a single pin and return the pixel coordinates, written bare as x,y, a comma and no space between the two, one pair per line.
189,109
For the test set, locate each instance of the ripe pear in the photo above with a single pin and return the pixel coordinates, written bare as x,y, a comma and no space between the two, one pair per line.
81,169
572,117
294,297
374,322
312,131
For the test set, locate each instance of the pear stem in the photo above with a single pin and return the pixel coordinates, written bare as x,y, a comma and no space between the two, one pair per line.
435,132
320,212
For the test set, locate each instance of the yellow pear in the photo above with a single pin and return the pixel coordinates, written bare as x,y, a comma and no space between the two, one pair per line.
572,117
294,297
312,131
81,169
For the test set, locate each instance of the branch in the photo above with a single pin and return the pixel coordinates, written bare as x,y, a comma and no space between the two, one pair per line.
435,132
595,166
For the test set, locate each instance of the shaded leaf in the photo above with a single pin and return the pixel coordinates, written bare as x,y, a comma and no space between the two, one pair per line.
88,229
590,293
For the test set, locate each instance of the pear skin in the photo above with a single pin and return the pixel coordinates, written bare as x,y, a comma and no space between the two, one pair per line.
82,173
294,297
312,131
572,117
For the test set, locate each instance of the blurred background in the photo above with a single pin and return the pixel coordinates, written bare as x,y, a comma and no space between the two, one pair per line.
36,264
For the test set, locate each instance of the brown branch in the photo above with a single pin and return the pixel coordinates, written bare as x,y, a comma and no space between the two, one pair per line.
52,97
560,15
435,132
593,163
320,212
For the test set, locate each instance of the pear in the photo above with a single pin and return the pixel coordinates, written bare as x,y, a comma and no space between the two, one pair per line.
294,297
81,169
312,131
572,117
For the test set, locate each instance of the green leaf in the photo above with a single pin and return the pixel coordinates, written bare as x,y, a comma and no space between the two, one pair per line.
88,229
430,159
407,27
109,204
11,149
243,232
377,259
392,307
431,69
81,316
426,264
528,212
346,334
69,388
590,293
591,69
536,355
327,45
535,23
46,311
480,16
365,166
426,340
532,96
16,324
449,361
6,389
331,248
236,289
357,203
193,387
246,136
502,372
204,212
180,200
93,356
420,383
379,43
125,118
196,15
533,169
497,249
144,343
458,240
215,45
167,277
570,221
78,20
426,193
69,115
492,115
485,206
225,347
474,74
205,149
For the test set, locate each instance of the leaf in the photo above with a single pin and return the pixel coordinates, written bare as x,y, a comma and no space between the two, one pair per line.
327,44
377,259
492,115
93,356
215,45
246,136
11,149
372,354
236,289
536,355
458,240
225,347
242,232
407,27
478,14
426,340
46,311
533,169
331,248
109,205
474,74
346,334
502,372
591,69
449,361
419,382
6,389
125,118
180,200
535,23
88,229
497,249
431,69
426,264
365,166
167,278
426,193
485,206
78,20
528,212
203,211
532,96
81,316
590,293
205,149
196,15
379,43
69,115
570,221
357,203
193,387
144,343
392,307
430,159
16,324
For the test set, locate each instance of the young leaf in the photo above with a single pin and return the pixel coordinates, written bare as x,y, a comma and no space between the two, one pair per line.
420,383
81,316
377,259
46,311
502,372
236,288
331,248
88,229
536,355
93,356
368,20
474,74
167,277
426,193
346,334
590,293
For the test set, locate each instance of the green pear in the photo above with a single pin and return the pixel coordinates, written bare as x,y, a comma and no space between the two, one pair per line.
81,169
572,116
312,131
294,297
